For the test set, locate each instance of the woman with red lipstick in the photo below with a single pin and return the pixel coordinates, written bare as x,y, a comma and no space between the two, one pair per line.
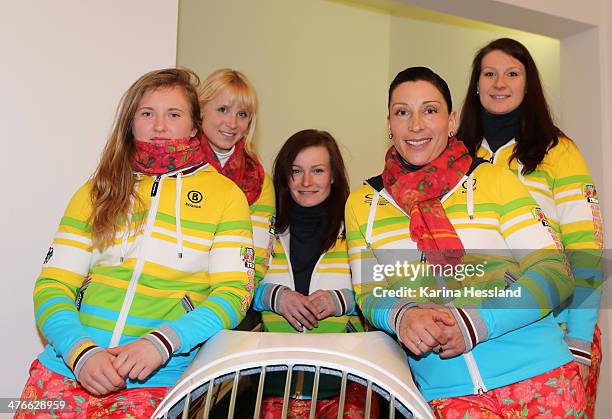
308,287
229,114
505,119
147,264
475,309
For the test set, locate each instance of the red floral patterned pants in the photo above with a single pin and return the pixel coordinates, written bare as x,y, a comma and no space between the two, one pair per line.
354,406
591,386
558,393
45,384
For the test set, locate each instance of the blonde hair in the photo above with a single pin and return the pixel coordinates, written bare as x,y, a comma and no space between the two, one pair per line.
113,181
241,92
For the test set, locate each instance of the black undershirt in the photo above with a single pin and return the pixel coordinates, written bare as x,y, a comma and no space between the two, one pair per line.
499,129
408,166
305,242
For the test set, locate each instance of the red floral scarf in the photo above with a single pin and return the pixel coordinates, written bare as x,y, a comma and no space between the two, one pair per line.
245,170
418,194
164,155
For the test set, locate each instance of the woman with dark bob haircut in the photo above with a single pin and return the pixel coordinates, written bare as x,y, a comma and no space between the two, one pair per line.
308,286
454,256
505,119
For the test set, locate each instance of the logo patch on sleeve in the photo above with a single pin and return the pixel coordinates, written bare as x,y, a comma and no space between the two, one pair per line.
539,215
590,193
248,257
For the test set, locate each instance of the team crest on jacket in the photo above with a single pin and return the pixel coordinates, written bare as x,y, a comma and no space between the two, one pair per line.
49,255
539,215
194,198
381,200
465,183
590,193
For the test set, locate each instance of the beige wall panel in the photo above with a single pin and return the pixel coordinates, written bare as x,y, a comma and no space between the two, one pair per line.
315,64
447,45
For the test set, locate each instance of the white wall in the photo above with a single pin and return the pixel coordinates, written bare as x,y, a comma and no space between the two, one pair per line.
65,65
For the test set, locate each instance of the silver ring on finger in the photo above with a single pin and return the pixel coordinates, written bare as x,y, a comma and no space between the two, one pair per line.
418,342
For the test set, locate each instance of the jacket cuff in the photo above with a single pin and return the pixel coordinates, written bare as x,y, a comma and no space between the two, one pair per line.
343,300
397,312
472,326
165,340
581,349
271,297
80,353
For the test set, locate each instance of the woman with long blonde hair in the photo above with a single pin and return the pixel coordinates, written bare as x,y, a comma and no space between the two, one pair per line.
152,257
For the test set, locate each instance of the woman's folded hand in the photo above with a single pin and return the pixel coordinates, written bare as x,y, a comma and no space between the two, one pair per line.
299,311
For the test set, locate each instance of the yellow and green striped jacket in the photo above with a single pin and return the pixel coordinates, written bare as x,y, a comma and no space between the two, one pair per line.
509,337
331,272
564,189
180,273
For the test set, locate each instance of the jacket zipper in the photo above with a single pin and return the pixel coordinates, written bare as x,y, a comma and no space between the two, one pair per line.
81,293
314,274
492,158
155,186
314,270
493,155
131,290
479,386
477,380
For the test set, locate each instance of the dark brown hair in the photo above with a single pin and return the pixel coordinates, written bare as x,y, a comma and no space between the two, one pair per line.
422,74
332,221
537,134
